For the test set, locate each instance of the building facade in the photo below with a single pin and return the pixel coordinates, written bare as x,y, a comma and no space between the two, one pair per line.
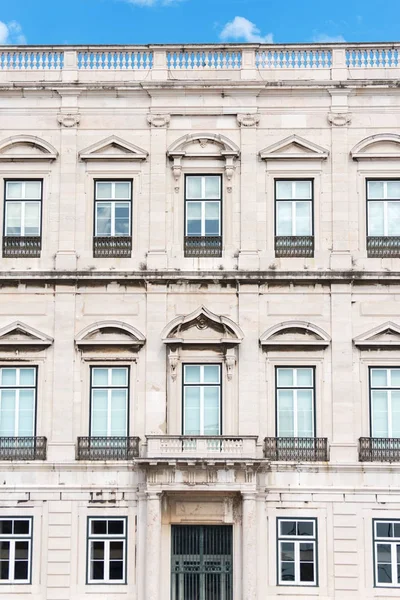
200,322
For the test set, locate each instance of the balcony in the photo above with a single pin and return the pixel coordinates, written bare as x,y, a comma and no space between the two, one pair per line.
300,449
23,448
296,246
201,447
112,247
383,246
197,245
379,449
107,448
21,247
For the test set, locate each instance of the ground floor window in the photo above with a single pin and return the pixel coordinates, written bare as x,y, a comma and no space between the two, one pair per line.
387,553
297,540
107,550
15,550
201,564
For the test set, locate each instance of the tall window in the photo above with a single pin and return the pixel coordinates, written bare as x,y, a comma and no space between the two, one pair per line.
23,201
113,219
297,561
15,550
107,550
385,402
294,217
17,401
202,399
383,200
109,401
295,401
203,203
387,553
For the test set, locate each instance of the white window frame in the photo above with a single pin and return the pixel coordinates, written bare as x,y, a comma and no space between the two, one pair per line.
202,385
393,542
106,539
109,387
113,201
23,202
385,200
294,201
389,389
295,388
12,539
203,200
17,388
297,540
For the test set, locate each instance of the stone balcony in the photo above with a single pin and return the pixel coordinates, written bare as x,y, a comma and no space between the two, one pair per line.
227,448
230,62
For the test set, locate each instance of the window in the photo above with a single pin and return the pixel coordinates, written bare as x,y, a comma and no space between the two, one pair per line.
385,402
383,218
202,399
15,550
17,401
107,550
22,218
295,402
113,219
203,201
109,401
387,553
294,218
297,549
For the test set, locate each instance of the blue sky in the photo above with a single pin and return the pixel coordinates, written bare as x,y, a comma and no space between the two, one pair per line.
185,21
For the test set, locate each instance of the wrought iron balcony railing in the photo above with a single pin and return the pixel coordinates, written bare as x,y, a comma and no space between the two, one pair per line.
107,448
23,448
20,247
300,449
112,247
197,245
294,245
198,447
379,449
383,246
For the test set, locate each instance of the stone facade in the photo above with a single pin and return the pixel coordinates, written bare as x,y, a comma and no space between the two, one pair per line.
253,115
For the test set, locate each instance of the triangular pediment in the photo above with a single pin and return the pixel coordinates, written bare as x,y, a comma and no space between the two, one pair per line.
385,145
110,333
25,148
294,334
113,148
19,334
383,336
202,327
294,147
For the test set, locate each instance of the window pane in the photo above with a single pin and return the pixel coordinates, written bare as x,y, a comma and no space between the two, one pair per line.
285,377
379,377
193,187
8,377
283,190
375,189
395,377
98,550
97,570
304,377
13,216
397,530
211,374
98,527
103,190
385,573
376,218
393,218
287,551
116,527
393,189
380,414
384,529
6,527
119,376
4,570
303,190
116,570
285,414
193,218
33,190
193,227
212,210
284,218
384,552
21,550
192,411
306,571
7,413
14,190
306,552
305,413
27,377
122,190
118,413
26,413
32,218
212,218
103,212
211,411
212,187
192,374
100,413
116,550
21,570
288,527
303,218
395,396
122,218
305,528
100,376
4,550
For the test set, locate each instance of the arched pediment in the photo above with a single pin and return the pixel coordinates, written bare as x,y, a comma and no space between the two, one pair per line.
110,333
20,334
113,148
297,334
294,147
197,145
202,327
26,147
382,145
386,335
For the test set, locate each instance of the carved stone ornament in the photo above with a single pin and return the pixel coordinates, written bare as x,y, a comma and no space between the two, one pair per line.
339,119
203,142
248,120
69,119
173,364
158,120
230,363
201,323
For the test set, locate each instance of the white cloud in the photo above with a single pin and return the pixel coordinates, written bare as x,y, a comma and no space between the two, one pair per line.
11,33
324,38
243,29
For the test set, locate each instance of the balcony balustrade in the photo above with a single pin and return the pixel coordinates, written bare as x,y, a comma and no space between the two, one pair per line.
201,447
107,448
197,246
23,448
294,245
300,449
379,449
21,246
383,246
112,247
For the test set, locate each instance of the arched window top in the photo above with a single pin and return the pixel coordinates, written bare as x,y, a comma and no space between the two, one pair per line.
202,327
26,147
382,145
197,145
110,333
297,334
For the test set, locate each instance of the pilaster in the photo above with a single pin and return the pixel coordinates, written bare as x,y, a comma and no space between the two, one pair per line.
249,546
153,546
248,257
